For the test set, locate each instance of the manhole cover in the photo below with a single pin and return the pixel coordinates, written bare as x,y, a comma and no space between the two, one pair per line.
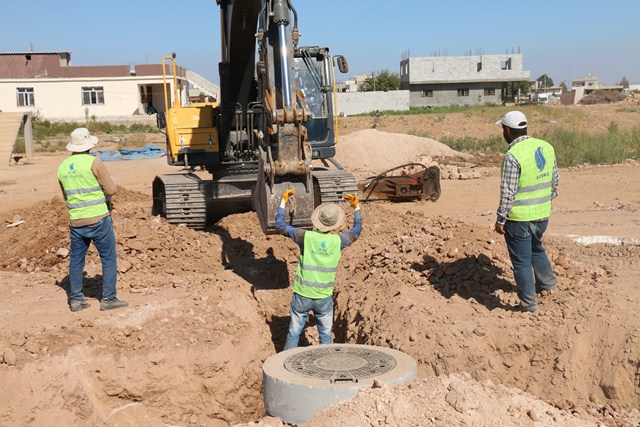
341,363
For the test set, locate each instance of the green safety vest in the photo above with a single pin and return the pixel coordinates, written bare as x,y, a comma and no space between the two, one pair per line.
316,272
85,198
533,198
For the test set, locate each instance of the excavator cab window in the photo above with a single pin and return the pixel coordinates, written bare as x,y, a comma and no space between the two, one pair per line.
309,76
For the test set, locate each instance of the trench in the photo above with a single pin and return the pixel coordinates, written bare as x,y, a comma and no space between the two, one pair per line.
453,313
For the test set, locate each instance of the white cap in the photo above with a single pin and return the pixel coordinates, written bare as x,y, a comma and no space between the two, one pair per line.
514,120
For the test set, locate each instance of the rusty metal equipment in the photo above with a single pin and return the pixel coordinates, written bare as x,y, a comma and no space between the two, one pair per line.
403,187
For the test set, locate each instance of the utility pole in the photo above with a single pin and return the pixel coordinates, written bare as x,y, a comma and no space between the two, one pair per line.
373,76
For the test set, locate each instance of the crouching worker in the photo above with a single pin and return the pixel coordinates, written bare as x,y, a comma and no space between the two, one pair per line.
320,252
87,186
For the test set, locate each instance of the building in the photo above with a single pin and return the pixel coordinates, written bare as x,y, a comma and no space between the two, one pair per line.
354,83
584,86
47,85
461,80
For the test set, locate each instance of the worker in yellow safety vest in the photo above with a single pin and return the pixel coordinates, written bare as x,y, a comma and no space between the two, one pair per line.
320,252
529,182
87,188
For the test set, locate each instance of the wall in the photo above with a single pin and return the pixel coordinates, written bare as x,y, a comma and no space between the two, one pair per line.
449,69
351,103
447,94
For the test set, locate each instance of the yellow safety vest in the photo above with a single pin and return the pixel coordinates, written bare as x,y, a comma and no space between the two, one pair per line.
85,198
533,198
316,272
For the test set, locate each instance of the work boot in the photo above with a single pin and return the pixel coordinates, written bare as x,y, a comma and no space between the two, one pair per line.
110,304
78,304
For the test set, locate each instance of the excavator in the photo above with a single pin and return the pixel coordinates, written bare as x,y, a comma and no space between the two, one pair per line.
273,128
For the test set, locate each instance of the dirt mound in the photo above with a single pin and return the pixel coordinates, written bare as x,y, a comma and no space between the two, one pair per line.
370,150
452,400
603,97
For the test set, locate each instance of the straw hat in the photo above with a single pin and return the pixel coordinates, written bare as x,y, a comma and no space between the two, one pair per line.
327,217
81,140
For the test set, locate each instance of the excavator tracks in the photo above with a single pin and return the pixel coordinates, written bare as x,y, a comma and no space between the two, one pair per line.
181,199
187,199
332,184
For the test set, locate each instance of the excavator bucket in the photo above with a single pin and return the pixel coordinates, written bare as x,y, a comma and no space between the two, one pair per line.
326,185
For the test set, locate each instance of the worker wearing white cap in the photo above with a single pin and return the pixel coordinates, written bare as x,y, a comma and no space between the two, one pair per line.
529,183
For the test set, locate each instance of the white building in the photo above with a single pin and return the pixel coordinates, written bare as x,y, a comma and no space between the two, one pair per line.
46,84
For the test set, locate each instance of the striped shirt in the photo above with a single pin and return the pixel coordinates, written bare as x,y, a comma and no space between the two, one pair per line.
509,182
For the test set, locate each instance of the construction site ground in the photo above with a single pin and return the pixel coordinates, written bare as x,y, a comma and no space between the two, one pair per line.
431,279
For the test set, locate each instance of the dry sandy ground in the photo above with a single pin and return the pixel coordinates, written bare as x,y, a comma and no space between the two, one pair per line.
430,279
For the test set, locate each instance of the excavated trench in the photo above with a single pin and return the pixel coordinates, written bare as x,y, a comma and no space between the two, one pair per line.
214,305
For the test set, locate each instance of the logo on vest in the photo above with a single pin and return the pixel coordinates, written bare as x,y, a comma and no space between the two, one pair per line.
541,162
322,250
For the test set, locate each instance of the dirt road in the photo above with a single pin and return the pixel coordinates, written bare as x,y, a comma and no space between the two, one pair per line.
430,279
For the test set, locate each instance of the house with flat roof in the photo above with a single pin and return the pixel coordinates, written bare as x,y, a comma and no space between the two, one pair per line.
49,86
461,80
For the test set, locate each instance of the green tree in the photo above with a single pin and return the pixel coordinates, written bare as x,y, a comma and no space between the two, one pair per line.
517,88
624,82
382,80
564,87
544,81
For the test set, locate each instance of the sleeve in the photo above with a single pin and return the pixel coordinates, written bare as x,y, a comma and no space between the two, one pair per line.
508,187
104,178
555,180
348,237
294,233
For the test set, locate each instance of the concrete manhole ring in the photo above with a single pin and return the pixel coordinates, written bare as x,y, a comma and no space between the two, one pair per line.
302,381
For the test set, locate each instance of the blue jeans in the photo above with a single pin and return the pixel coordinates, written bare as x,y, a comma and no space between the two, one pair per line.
323,312
531,266
104,239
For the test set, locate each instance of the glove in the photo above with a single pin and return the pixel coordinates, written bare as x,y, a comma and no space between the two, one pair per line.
285,197
352,199
288,193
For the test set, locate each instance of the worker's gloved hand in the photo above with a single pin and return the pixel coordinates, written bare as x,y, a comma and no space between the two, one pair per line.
352,199
288,193
285,197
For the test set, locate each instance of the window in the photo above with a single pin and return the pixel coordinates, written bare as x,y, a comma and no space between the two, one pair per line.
463,92
26,97
505,65
428,93
489,91
92,95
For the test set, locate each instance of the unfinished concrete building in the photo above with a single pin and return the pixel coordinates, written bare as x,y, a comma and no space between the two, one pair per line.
438,81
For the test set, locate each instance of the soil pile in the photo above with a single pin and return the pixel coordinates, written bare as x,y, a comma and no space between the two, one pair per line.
603,97
453,400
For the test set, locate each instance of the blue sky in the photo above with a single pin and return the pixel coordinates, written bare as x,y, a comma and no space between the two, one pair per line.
564,39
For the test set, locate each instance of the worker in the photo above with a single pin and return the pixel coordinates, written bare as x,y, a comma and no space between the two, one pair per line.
87,188
529,183
320,253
